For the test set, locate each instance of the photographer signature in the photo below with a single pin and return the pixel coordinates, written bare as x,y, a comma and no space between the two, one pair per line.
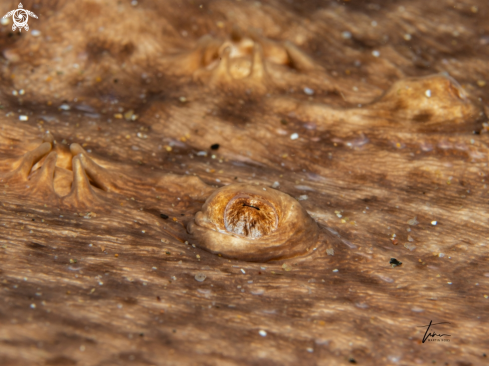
433,335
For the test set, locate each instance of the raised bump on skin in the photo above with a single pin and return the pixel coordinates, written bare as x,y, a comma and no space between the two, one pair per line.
31,158
251,223
221,72
203,54
43,181
429,100
82,193
258,67
298,58
100,176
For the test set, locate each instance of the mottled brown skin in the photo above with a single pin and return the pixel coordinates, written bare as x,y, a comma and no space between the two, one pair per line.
92,274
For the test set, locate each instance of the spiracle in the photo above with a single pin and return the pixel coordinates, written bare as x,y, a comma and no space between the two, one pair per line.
253,223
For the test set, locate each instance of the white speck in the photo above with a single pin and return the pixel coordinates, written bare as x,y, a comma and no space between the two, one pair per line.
119,306
373,23
335,270
143,231
64,107
174,278
202,153
264,268
5,21
433,223
294,136
303,197
275,184
330,251
417,309
346,35
375,53
264,189
21,92
218,180
35,33
310,350
200,277
262,333
155,267
33,306
427,93
410,246
82,348
441,255
15,92
134,2
394,359
242,270
100,283
407,37
23,118
449,283
25,278
308,91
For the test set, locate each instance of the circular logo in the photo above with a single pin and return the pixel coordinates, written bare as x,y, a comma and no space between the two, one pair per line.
20,18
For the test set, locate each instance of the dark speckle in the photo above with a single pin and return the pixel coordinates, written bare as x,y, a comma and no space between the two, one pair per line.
163,216
215,146
395,262
352,360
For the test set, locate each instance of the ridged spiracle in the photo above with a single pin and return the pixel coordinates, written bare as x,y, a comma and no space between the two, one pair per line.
253,223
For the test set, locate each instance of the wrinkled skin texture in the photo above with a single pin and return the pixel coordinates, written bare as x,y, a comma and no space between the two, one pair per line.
92,274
